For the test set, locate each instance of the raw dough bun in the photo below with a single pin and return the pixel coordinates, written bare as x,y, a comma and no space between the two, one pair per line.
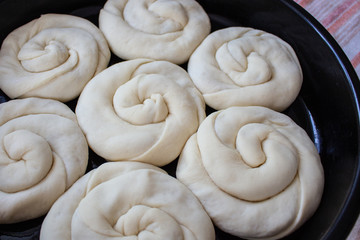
42,153
157,29
53,56
127,200
239,66
141,110
257,173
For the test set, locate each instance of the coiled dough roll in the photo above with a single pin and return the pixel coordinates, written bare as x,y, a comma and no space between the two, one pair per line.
42,153
140,110
239,66
127,200
53,56
157,29
256,172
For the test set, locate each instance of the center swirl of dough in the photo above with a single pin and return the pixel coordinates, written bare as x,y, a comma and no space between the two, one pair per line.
139,103
30,157
244,61
156,17
52,48
256,155
140,221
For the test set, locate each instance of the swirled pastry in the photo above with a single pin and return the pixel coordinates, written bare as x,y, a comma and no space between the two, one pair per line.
127,200
140,110
157,29
53,56
257,173
42,153
239,66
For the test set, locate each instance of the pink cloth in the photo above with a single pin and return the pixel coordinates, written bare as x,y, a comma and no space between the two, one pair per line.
342,19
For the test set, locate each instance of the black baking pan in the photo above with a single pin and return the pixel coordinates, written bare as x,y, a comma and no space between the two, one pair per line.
327,106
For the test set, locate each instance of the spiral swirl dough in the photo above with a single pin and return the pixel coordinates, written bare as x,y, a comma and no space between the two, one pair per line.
158,29
140,110
127,200
257,173
53,57
42,153
239,66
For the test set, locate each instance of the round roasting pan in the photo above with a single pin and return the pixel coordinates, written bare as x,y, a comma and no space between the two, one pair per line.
327,106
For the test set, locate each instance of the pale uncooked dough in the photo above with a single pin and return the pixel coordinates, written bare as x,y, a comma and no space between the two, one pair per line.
43,152
140,110
257,173
161,30
240,66
127,200
53,56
